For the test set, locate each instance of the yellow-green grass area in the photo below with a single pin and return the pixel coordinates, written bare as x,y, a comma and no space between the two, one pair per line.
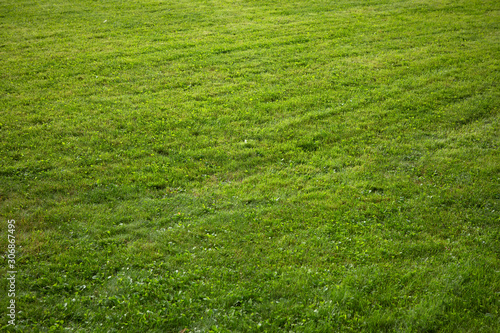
250,166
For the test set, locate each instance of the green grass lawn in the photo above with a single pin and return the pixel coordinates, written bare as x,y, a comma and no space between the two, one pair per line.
250,165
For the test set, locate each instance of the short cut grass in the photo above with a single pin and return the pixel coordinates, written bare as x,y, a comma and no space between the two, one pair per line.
251,165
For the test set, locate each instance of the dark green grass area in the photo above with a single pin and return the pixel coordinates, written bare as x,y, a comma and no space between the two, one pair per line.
251,166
